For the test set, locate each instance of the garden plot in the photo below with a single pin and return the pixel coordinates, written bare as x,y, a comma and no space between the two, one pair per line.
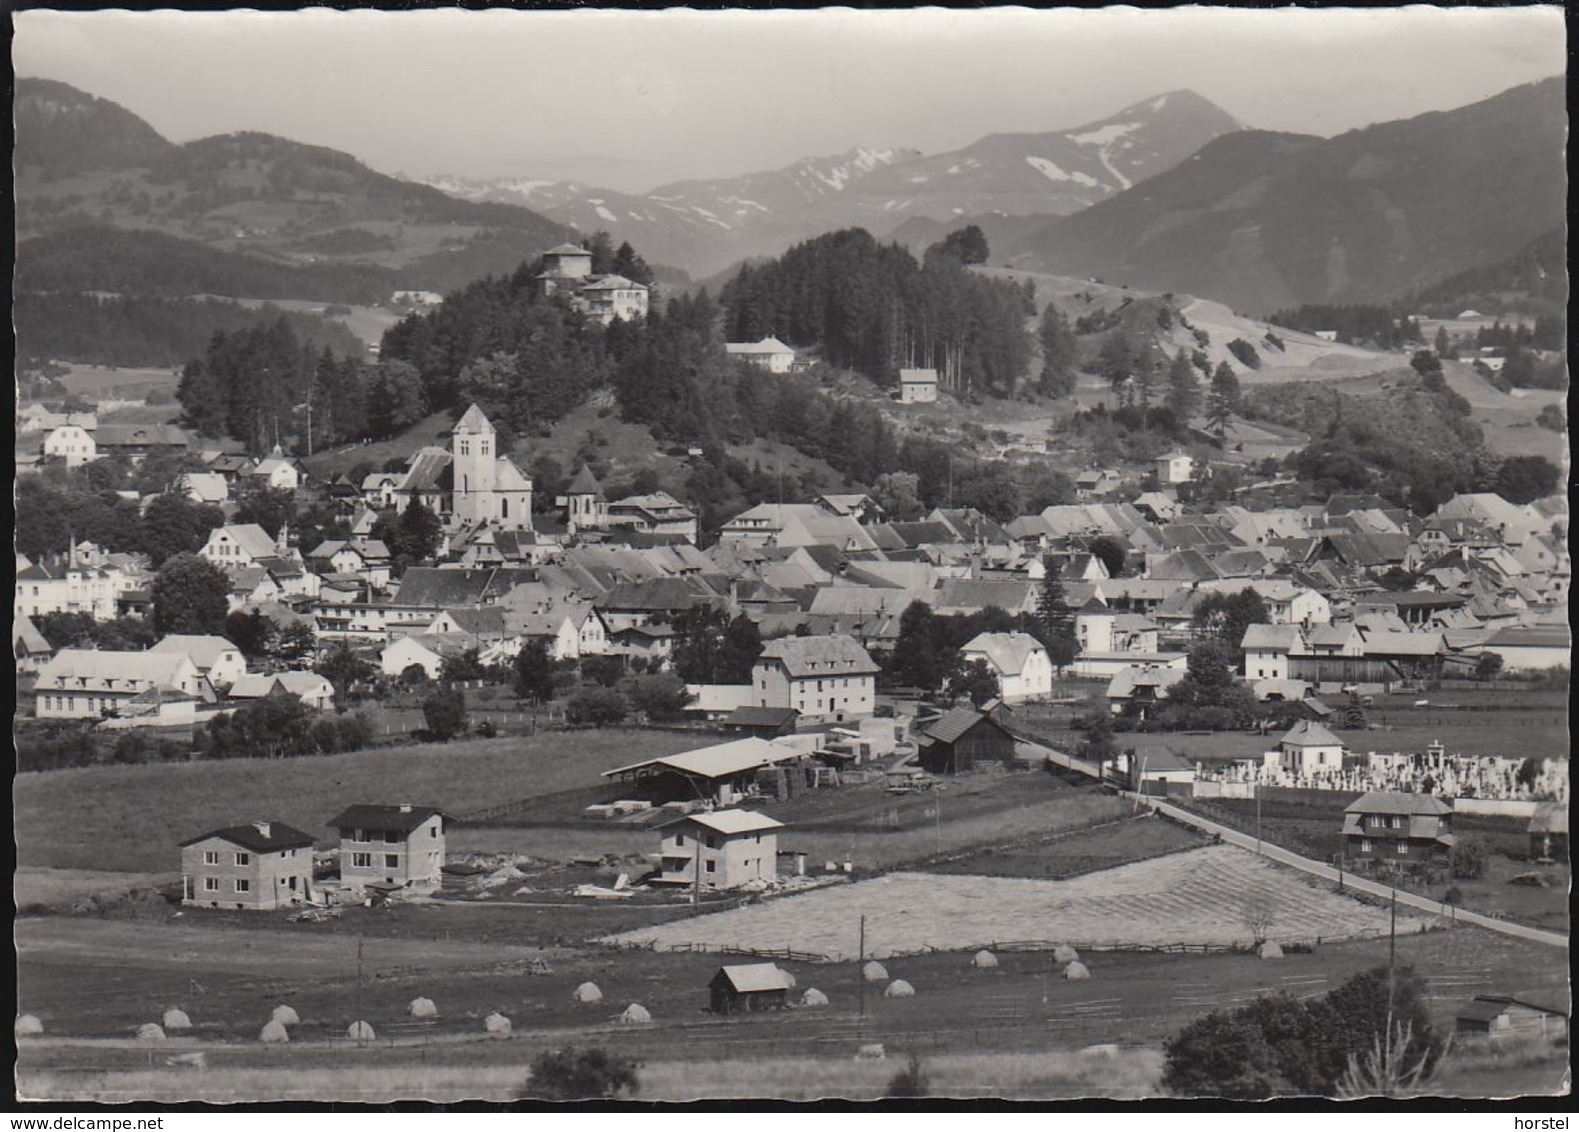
1217,895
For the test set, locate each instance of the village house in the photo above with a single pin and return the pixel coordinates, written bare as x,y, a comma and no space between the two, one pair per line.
769,354
310,688
256,867
204,487
567,272
828,678
1175,468
367,559
1308,749
1392,827
71,444
654,513
390,847
137,442
77,584
719,850
29,649
1019,662
277,472
427,651
1158,770
918,386
1267,649
216,659
97,683
1095,482
749,987
1140,689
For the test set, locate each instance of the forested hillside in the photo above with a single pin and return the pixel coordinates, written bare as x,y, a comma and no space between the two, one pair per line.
872,308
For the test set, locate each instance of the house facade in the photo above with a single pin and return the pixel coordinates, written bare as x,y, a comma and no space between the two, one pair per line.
825,678
95,683
253,867
719,850
769,354
72,444
1389,827
918,386
1018,660
400,846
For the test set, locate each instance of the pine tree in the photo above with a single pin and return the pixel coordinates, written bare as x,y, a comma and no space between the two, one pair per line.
1223,400
1184,392
1058,353
1054,617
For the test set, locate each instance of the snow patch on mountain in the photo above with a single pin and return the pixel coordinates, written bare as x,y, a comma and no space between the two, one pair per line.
1054,172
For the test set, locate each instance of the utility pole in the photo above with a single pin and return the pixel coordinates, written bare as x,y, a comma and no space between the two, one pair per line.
860,978
1258,814
696,873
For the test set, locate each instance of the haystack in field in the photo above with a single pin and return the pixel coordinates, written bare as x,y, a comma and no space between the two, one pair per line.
176,1020
635,1014
589,992
984,960
274,1033
422,1008
1270,950
1076,971
496,1023
1063,953
150,1032
874,972
899,989
285,1016
359,1032
27,1025
813,997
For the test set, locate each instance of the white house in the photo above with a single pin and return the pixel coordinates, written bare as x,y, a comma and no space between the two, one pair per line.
769,354
93,683
1175,467
918,386
827,678
203,487
257,867
277,472
1018,660
721,849
73,444
396,846
309,687
368,559
1267,649
244,544
1309,747
216,658
427,650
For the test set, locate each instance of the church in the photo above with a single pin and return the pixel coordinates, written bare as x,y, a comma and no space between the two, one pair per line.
471,485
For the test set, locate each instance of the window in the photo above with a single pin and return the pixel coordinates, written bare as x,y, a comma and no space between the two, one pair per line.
679,839
712,842
391,837
391,861
433,832
361,860
712,866
243,859
1365,845
210,857
210,884
358,835
1403,848
1398,823
243,884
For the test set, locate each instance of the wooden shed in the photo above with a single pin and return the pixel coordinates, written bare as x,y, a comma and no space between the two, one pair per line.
1496,1015
963,739
748,987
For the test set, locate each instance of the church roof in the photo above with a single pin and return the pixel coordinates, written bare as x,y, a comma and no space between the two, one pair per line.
474,420
585,483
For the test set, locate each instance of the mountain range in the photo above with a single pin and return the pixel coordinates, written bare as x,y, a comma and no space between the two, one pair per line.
1263,220
703,226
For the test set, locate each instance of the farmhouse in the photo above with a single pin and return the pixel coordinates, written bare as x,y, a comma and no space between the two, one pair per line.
769,354
721,849
1139,689
219,661
918,386
655,513
1500,1016
1019,662
1267,649
427,651
824,678
29,650
400,846
748,987
963,739
136,442
1385,825
260,866
72,444
309,687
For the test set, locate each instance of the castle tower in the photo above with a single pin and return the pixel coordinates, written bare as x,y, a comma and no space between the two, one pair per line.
475,467
588,507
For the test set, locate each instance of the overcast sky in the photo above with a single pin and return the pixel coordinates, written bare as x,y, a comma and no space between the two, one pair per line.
629,100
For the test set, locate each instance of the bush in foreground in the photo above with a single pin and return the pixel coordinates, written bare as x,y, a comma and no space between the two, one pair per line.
911,1081
572,1074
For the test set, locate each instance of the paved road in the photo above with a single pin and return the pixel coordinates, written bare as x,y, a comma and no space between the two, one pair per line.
1359,884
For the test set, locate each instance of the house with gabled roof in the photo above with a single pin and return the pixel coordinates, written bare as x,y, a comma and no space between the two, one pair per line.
393,847
308,687
216,659
719,850
746,988
98,683
1309,748
769,354
1388,826
29,649
1267,648
255,867
963,739
1019,662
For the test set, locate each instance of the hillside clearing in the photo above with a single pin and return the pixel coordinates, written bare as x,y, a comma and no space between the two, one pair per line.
65,818
1203,896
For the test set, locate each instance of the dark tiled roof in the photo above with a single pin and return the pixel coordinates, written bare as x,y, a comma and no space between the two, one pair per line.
382,817
280,836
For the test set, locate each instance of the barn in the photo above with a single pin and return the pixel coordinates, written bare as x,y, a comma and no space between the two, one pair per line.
962,739
1497,1016
749,987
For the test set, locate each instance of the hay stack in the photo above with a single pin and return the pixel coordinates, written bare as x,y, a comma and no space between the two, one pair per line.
150,1032
899,989
984,960
176,1020
285,1016
635,1014
359,1032
27,1025
1076,971
813,997
1270,950
422,1008
589,992
497,1024
1063,953
274,1033
874,972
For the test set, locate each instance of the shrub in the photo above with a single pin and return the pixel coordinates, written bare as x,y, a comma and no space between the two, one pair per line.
593,706
572,1074
911,1081
1468,859
444,713
1245,352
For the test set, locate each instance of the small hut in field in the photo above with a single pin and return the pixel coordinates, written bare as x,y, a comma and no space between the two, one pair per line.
747,987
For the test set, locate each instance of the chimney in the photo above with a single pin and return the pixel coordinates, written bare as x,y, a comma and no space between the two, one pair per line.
262,827
405,807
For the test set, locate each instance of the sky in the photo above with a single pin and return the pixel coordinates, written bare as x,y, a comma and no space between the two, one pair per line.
630,100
